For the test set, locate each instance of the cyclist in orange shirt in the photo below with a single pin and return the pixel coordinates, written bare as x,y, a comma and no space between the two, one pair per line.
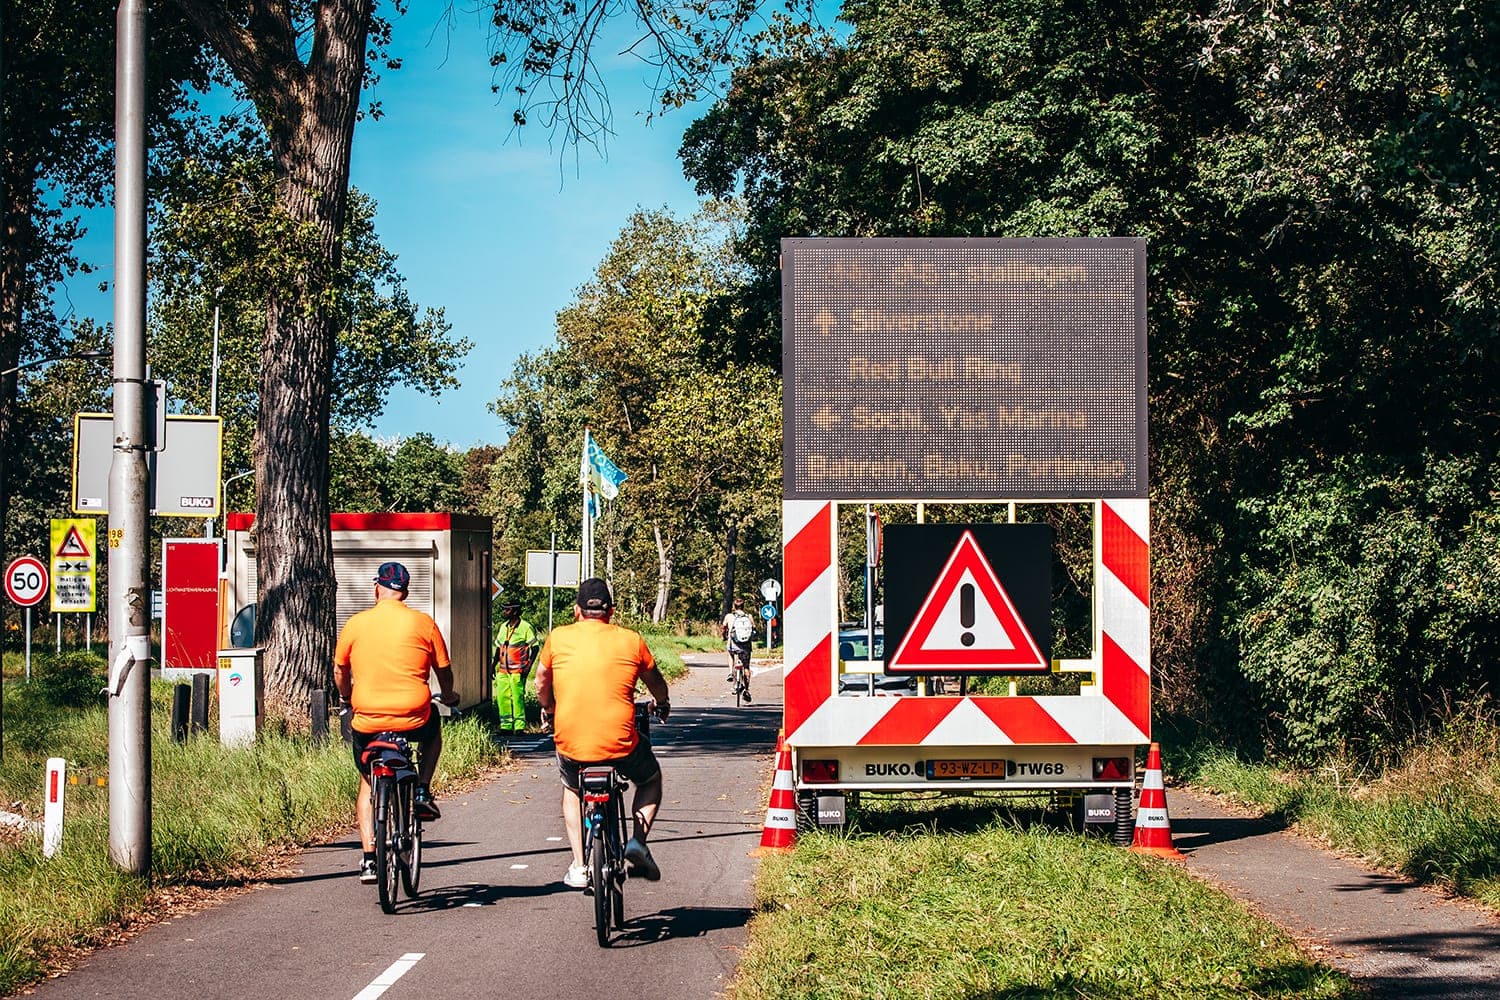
380,667
585,680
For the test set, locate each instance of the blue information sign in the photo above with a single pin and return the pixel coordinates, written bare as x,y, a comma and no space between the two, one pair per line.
768,611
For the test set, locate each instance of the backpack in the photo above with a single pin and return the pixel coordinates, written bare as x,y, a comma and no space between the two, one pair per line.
741,628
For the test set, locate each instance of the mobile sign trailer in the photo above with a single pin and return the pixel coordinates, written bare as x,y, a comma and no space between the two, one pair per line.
966,371
1075,745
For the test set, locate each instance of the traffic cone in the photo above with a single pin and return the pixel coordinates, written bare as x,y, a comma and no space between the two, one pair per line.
1153,830
780,830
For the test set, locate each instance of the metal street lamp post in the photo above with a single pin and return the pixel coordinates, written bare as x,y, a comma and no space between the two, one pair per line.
80,356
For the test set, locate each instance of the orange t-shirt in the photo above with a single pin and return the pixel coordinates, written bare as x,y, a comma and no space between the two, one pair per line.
595,666
389,649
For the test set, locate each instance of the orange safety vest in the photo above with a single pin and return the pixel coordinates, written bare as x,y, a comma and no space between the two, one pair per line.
515,657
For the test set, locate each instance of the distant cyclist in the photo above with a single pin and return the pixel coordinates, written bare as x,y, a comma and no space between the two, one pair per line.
585,679
380,667
739,632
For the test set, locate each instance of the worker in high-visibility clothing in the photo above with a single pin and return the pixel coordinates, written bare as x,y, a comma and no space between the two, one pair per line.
516,645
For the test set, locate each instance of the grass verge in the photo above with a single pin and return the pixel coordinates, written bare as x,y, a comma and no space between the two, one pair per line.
1433,816
219,816
1001,911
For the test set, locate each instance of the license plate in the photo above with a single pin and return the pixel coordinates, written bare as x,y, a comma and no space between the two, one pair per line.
964,770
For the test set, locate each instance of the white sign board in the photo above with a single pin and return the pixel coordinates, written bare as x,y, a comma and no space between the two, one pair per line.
182,477
539,571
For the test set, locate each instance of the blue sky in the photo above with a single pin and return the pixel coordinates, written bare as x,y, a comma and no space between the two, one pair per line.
499,228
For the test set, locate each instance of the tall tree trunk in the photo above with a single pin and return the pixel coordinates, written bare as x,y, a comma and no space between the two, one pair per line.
310,115
15,232
663,573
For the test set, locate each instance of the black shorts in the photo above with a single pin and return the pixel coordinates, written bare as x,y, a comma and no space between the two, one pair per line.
422,735
741,654
640,765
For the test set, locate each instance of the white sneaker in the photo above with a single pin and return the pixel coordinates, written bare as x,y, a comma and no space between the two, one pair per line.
577,877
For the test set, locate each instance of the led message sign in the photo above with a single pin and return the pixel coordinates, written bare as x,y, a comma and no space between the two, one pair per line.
964,369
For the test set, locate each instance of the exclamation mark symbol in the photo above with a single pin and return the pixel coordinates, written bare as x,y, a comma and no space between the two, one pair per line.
966,612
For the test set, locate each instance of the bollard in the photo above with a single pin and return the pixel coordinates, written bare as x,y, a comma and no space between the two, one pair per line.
199,714
319,712
52,809
180,695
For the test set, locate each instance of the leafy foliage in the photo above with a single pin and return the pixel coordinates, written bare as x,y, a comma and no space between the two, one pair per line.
1317,186
699,441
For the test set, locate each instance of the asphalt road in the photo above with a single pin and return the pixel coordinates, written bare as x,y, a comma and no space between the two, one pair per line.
494,919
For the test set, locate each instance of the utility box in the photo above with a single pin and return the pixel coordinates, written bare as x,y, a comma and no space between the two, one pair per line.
448,555
242,696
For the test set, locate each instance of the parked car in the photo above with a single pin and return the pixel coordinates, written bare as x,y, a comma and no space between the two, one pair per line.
854,644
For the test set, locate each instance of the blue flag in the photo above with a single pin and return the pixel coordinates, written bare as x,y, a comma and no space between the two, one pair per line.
596,469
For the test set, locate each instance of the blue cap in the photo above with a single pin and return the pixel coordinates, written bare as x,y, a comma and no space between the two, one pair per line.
394,576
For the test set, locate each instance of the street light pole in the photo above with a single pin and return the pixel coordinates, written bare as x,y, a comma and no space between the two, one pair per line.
80,356
129,597
213,398
213,377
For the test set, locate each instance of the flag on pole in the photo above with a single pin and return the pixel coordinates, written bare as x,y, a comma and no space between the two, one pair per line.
597,470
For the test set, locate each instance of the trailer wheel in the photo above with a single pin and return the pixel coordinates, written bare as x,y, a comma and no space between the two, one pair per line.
1124,820
807,812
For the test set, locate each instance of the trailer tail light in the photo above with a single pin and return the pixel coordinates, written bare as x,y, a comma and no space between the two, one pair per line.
820,772
1111,768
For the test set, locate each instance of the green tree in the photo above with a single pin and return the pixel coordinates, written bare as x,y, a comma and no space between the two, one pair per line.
208,253
56,136
304,65
1317,187
698,440
424,476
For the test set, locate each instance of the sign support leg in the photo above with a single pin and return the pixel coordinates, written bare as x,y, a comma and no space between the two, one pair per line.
28,644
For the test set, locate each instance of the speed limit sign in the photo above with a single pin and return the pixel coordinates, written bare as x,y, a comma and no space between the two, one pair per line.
26,581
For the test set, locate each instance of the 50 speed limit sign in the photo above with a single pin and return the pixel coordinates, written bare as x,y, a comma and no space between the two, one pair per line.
26,581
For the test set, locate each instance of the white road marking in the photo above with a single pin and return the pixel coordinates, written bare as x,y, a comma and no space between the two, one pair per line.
554,840
388,978
519,868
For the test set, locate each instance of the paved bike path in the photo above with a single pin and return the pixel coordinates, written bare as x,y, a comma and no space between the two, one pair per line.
1397,938
494,918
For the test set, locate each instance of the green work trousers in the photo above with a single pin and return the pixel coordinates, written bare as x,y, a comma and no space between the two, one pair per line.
510,701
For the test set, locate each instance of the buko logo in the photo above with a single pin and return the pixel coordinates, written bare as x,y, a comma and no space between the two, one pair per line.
889,770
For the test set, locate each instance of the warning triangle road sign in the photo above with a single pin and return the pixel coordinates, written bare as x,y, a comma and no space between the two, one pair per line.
968,622
72,545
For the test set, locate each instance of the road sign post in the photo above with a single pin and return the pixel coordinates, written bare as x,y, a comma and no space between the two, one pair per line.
26,584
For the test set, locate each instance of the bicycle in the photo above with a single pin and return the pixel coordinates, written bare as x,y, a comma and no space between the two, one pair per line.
602,794
398,826
739,669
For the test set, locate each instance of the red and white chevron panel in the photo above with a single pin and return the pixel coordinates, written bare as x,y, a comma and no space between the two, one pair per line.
1115,710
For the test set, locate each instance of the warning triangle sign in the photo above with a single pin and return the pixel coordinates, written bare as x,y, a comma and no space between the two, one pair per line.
968,621
72,545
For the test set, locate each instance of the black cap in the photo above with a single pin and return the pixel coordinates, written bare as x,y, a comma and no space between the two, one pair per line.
510,605
593,595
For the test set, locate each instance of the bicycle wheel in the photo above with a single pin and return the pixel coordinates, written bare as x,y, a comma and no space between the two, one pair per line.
739,687
604,887
617,867
410,854
387,822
